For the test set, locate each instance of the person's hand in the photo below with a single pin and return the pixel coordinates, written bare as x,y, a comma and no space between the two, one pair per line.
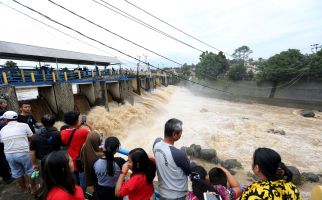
125,168
35,167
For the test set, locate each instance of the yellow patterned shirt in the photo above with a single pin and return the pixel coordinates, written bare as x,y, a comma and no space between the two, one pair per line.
271,190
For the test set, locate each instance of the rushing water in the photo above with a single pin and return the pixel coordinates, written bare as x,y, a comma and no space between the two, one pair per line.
235,130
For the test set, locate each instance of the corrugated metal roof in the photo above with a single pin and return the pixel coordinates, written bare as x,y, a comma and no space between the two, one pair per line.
9,50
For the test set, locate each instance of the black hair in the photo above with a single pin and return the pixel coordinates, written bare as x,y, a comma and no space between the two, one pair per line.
63,127
217,176
172,126
199,182
48,120
111,145
55,172
21,103
141,163
270,164
71,118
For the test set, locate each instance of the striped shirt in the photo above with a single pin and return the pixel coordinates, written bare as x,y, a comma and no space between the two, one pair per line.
15,137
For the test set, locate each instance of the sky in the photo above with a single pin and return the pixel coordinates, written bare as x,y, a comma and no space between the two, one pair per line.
267,27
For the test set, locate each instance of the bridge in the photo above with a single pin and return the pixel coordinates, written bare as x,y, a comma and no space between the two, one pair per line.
54,84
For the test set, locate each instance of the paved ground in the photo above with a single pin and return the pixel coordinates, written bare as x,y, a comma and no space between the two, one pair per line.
12,191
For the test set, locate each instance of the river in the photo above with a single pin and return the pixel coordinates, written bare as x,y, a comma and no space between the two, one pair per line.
234,129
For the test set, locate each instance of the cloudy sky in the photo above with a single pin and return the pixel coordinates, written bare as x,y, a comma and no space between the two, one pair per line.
267,27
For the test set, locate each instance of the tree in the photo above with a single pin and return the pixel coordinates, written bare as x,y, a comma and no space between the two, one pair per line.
242,53
10,64
211,65
283,66
185,70
237,71
315,66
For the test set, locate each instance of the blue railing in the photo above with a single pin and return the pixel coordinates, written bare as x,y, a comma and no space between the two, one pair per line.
27,76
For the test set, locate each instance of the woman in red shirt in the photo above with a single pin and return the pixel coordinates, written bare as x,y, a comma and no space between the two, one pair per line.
58,183
140,184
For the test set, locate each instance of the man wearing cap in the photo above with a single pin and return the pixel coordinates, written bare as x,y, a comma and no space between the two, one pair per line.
4,166
15,136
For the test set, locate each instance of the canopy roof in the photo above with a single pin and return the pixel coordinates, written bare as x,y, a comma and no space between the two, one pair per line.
15,51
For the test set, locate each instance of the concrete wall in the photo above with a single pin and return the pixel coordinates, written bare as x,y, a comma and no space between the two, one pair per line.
49,95
134,84
100,91
64,98
114,90
8,93
88,91
126,91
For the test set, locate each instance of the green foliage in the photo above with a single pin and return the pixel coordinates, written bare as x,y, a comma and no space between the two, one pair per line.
185,70
10,64
242,53
282,67
211,65
315,66
237,72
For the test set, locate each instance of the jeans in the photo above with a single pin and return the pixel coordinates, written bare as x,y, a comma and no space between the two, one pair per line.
79,178
20,164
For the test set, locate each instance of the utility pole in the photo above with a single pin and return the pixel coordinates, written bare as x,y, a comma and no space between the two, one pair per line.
138,81
316,47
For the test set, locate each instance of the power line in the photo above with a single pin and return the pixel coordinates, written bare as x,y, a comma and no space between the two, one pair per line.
176,28
114,33
63,32
131,17
90,38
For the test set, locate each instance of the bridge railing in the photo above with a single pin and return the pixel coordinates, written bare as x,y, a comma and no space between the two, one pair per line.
28,76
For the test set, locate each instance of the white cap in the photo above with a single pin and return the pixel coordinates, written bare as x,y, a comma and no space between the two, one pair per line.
9,115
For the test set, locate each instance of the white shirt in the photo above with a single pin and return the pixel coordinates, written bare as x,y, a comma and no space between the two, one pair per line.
15,137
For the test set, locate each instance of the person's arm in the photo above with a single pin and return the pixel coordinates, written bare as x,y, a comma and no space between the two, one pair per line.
125,169
181,160
29,132
233,183
32,155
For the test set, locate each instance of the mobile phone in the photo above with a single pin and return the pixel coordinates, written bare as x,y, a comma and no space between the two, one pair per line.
211,196
84,119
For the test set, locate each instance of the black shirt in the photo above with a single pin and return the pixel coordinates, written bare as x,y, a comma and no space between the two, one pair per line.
46,141
28,119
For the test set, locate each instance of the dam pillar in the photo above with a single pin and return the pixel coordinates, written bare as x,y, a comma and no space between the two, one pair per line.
64,98
126,91
49,95
114,89
134,85
101,96
8,93
88,91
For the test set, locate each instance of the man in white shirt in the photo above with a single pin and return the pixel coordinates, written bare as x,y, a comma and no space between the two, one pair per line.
15,136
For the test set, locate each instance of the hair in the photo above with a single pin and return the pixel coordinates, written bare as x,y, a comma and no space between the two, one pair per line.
199,183
141,163
217,176
21,103
63,127
270,164
55,172
71,118
48,120
111,145
172,126
3,101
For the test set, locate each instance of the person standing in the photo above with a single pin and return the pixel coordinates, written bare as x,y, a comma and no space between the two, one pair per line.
74,137
25,115
173,165
4,166
15,136
46,141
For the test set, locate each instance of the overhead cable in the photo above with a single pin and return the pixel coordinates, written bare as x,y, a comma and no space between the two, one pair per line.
119,51
172,26
131,17
105,29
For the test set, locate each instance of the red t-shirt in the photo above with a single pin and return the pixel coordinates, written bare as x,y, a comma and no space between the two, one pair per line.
137,188
77,142
59,194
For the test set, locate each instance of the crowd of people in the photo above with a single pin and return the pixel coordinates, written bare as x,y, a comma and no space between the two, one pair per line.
75,158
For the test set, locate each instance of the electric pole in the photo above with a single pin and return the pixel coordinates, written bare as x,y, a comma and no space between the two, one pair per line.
315,47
